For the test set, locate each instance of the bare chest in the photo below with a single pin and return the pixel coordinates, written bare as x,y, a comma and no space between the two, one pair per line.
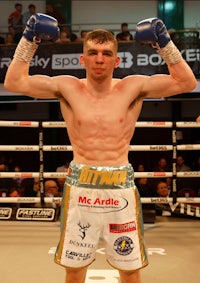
101,113
112,114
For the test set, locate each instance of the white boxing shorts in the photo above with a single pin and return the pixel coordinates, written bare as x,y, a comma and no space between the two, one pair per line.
101,201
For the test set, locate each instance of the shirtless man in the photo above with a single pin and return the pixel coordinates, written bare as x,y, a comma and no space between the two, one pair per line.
100,114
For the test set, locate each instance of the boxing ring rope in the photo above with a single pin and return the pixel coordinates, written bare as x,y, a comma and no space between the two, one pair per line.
152,200
41,148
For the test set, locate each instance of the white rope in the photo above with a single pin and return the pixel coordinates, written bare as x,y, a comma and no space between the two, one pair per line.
138,124
57,147
187,124
191,174
19,147
64,174
29,124
159,124
54,124
61,124
170,200
29,200
188,147
150,147
152,200
152,174
19,175
55,174
69,147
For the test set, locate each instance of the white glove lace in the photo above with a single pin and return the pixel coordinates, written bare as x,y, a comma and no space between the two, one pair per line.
170,54
25,50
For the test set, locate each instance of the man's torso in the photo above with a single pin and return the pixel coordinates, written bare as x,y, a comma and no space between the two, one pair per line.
100,127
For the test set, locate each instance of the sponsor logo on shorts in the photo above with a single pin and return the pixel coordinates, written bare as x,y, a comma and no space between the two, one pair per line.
122,228
123,245
83,228
95,177
81,244
102,205
77,255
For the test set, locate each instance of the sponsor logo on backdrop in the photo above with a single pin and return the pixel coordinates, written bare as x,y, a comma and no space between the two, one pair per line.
35,214
5,212
66,61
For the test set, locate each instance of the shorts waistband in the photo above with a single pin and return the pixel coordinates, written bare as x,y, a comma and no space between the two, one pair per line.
105,177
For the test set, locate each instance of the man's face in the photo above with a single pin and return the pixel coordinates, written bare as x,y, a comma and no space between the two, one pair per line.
32,10
163,163
99,59
180,160
162,190
19,8
51,187
124,28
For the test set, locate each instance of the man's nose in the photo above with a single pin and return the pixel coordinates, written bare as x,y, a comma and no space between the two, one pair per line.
99,58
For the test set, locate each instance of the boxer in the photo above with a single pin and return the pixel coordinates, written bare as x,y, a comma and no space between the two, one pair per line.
100,114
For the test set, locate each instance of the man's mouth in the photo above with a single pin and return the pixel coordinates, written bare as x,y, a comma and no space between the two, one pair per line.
98,70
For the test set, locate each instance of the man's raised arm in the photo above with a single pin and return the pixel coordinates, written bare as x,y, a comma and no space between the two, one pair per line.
181,79
40,27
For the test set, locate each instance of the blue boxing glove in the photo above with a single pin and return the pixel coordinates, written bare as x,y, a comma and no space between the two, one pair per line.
41,27
152,32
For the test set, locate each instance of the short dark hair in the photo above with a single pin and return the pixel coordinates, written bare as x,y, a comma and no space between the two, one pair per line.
31,6
18,4
124,24
101,36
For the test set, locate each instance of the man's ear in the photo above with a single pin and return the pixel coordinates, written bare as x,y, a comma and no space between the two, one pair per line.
82,61
117,62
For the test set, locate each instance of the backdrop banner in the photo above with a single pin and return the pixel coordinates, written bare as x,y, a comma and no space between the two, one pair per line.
61,59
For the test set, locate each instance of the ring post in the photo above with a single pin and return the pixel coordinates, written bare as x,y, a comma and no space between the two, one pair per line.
174,144
41,165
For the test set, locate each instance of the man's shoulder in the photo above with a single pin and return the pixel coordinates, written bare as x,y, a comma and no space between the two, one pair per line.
14,15
67,82
66,78
119,34
186,167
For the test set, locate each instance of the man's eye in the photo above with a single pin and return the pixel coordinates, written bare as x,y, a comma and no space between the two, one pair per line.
107,54
92,53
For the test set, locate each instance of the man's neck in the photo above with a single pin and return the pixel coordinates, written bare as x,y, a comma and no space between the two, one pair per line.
99,87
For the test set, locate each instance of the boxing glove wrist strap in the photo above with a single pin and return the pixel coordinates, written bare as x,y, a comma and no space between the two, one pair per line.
170,54
25,50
